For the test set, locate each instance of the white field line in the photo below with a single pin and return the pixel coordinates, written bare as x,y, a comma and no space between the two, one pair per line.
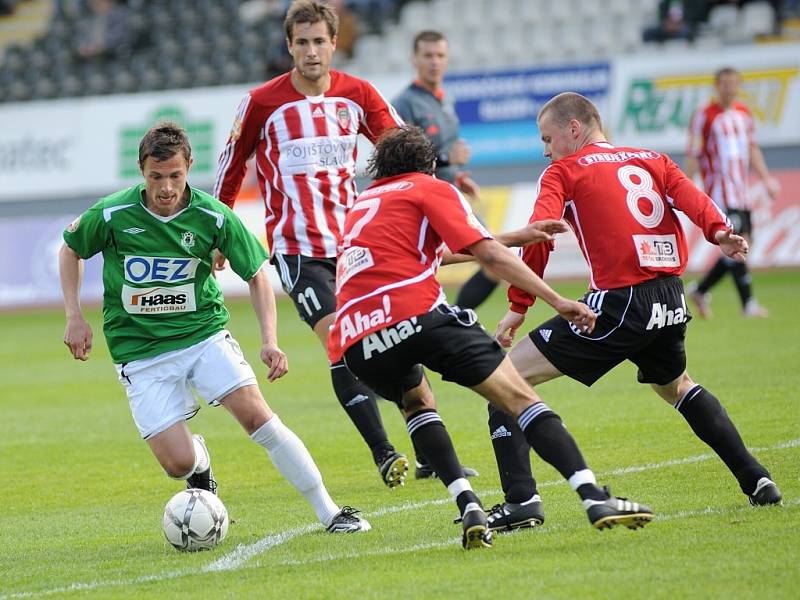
242,553
239,556
683,514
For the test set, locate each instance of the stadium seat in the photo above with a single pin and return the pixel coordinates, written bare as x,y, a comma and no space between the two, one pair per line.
415,16
756,19
723,20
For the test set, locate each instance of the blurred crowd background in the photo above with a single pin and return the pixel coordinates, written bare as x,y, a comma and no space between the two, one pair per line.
70,48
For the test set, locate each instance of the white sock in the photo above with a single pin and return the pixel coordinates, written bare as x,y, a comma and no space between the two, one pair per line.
580,477
290,456
458,486
202,461
531,500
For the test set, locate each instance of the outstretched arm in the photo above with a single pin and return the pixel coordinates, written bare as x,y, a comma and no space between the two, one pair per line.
503,263
532,233
263,300
78,333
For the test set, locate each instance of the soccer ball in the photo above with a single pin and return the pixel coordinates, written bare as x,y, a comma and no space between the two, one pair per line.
194,520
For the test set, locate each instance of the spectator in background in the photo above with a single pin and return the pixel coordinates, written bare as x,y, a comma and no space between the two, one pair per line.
107,32
677,20
348,30
373,14
722,147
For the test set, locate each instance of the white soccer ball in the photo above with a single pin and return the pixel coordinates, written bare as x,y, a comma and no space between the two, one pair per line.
195,520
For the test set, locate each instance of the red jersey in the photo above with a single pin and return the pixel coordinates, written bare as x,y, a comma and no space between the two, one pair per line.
620,203
395,235
722,144
305,153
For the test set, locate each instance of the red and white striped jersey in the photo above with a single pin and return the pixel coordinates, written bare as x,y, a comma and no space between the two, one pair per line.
305,155
620,202
395,235
722,140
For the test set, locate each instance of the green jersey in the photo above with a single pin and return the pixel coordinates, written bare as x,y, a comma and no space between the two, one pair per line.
158,291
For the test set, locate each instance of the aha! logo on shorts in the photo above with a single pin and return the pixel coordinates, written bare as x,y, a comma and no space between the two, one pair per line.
155,300
159,269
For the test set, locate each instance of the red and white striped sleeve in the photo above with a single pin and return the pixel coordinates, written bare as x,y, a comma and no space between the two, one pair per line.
241,145
379,114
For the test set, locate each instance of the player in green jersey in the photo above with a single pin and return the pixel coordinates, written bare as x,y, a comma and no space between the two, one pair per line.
164,319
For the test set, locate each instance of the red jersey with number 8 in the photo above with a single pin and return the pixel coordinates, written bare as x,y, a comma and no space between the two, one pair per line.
620,203
394,238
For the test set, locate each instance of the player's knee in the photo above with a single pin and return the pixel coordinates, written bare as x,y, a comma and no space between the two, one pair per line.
514,399
179,467
421,397
676,389
253,422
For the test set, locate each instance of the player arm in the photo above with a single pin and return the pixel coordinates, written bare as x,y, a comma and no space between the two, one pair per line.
78,332
759,165
702,211
379,114
263,300
686,197
533,233
503,263
241,145
548,205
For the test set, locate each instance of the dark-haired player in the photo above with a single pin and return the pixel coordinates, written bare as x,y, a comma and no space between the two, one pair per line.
164,319
392,319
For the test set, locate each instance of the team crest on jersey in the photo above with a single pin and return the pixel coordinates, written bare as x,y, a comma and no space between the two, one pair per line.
343,117
187,239
236,130
72,227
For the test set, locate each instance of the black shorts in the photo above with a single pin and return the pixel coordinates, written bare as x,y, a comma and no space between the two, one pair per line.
447,340
645,324
741,221
310,282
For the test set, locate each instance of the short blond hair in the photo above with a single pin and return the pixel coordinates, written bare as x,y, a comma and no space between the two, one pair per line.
567,106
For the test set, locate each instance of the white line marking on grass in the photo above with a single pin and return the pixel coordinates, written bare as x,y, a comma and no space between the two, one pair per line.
692,459
228,562
242,553
683,514
238,557
79,587
710,510
377,552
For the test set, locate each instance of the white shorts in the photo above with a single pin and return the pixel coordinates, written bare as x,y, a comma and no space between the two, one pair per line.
160,388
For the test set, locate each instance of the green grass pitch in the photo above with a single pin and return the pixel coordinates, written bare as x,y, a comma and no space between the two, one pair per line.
82,497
